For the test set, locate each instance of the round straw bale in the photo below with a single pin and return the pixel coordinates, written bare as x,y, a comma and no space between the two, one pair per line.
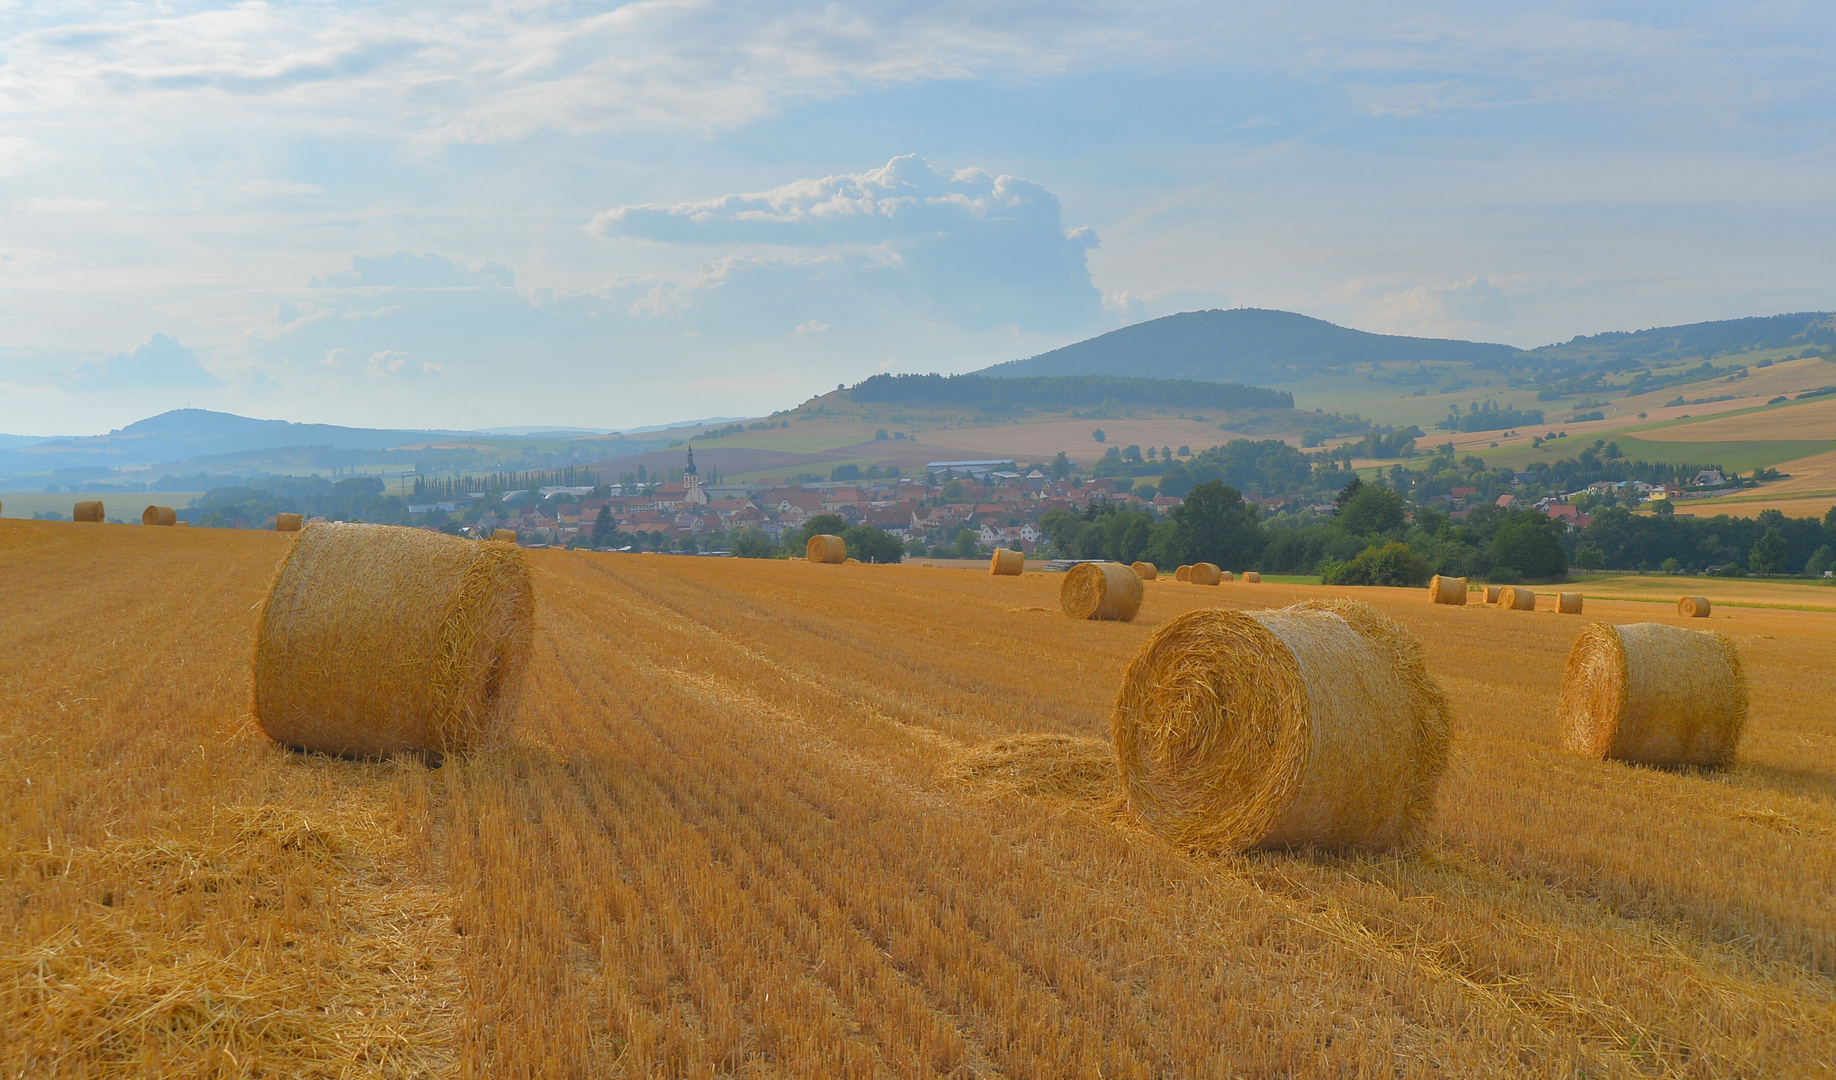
1446,590
377,639
851,561
1108,591
1693,607
1517,598
1006,563
287,522
1183,573
825,548
1312,724
1569,603
1252,577
87,510
508,535
1491,593
1226,575
1655,694
1147,571
158,515
1205,573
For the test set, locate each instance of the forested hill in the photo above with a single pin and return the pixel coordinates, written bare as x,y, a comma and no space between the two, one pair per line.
1244,345
1064,392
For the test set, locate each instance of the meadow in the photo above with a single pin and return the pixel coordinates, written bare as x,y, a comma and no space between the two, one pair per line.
778,819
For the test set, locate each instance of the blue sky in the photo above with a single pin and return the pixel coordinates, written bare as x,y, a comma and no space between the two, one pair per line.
479,214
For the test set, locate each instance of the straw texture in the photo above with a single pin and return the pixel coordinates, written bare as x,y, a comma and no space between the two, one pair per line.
1513,598
87,510
1491,593
1107,591
1316,724
377,639
287,522
1006,563
1147,571
506,535
1446,590
158,515
1252,577
1183,573
1205,573
1654,694
1693,607
825,548
1569,603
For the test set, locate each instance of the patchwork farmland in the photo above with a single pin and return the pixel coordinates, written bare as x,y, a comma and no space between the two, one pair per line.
772,818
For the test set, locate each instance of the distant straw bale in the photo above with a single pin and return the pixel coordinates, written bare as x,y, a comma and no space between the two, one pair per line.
1516,598
825,548
1107,591
1312,724
851,561
1491,593
287,522
377,639
1226,575
1147,570
1446,590
506,535
87,510
158,515
1205,573
1655,694
1569,603
1693,607
1006,563
1252,577
1183,573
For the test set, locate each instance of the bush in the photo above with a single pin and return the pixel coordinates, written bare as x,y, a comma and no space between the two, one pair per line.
753,543
869,544
1385,564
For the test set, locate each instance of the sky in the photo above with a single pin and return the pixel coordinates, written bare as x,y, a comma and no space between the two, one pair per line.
473,215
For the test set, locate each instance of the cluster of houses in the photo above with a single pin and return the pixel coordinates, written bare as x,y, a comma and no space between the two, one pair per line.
999,508
1563,508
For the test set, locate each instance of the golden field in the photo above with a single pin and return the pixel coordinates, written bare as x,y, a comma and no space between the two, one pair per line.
757,819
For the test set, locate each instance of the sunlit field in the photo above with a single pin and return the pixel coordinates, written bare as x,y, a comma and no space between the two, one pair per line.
739,831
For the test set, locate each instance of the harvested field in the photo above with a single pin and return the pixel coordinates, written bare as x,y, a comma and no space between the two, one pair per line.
779,824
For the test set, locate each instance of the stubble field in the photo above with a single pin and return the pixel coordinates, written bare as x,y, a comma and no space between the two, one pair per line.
776,819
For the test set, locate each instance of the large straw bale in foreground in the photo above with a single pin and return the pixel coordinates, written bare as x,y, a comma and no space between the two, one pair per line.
1006,563
1693,607
87,510
377,639
1655,694
1204,573
159,515
1446,590
1513,598
1147,571
825,548
287,522
1108,591
1183,573
1312,724
1569,603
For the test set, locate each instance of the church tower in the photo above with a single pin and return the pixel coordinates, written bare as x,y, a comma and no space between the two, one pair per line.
691,481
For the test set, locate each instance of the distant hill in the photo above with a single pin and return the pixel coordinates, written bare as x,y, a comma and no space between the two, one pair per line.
1704,340
183,434
1241,345
1063,392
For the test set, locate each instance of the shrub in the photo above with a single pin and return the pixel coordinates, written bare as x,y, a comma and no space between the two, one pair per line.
1379,564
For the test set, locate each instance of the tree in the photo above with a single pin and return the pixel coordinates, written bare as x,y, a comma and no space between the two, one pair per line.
1529,544
1346,494
604,528
1061,466
1371,509
965,544
1768,554
752,542
1823,559
820,525
869,544
849,471
1098,435
1379,564
1663,508
1215,525
953,491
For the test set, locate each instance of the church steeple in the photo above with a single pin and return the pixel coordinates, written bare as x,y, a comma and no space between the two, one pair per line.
690,471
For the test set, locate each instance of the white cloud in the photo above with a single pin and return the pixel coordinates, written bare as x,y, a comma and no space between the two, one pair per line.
812,327
407,271
1461,309
399,365
157,363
